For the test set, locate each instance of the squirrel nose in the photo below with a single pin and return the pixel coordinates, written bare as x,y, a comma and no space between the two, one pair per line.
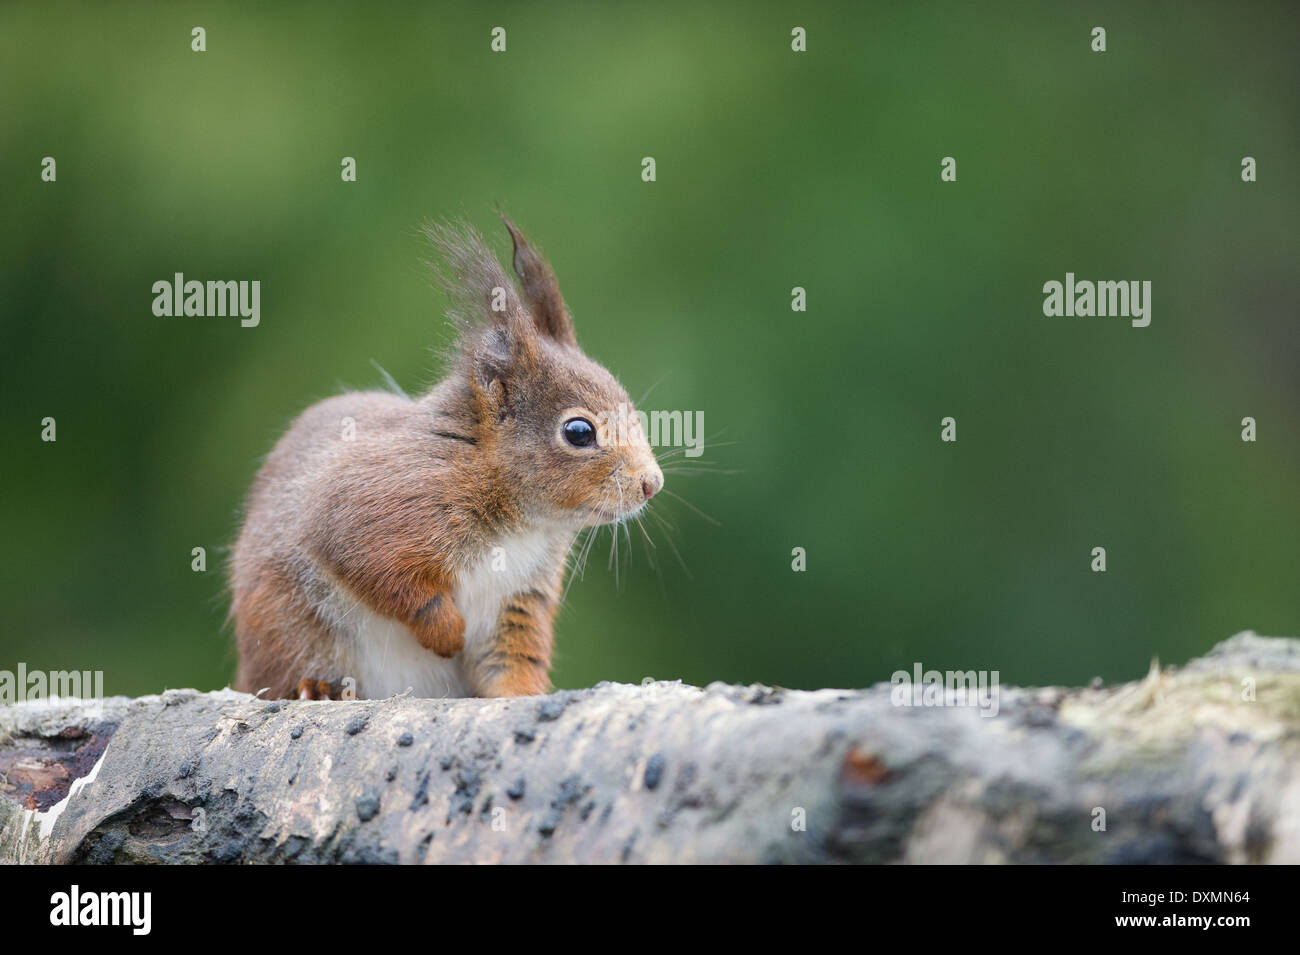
651,483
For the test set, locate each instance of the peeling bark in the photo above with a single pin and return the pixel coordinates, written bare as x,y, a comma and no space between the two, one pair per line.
1184,767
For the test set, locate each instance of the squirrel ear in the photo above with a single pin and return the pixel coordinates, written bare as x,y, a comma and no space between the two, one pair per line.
541,289
498,355
493,360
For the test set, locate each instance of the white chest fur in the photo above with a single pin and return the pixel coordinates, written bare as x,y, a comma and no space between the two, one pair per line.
387,660
516,564
386,656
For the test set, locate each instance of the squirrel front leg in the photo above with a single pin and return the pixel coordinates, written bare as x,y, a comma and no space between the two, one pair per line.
517,661
438,625
419,598
425,605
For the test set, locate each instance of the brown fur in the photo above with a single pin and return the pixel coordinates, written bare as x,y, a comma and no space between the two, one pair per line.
397,518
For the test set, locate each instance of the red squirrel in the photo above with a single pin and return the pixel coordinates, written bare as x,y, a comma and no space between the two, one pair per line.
393,543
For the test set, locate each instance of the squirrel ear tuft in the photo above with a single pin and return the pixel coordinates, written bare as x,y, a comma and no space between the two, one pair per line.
478,287
496,334
541,289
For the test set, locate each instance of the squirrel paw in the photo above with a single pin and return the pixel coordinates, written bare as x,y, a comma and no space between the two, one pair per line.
518,679
439,626
315,690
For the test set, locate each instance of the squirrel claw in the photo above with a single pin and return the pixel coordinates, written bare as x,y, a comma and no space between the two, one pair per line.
314,690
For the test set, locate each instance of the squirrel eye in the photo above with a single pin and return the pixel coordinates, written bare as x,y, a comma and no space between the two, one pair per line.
580,432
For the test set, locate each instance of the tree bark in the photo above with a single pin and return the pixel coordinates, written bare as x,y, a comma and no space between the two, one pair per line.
1182,766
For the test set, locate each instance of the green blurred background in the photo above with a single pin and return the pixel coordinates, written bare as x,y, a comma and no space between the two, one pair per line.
775,169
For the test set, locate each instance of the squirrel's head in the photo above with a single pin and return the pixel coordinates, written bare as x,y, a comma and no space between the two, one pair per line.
557,426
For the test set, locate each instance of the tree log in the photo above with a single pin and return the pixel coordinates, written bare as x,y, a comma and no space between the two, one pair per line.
1193,764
